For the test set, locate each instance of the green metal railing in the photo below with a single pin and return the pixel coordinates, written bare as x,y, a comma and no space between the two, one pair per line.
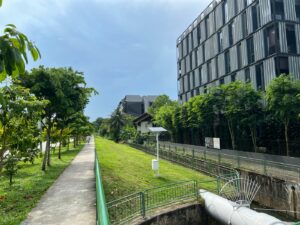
102,213
142,204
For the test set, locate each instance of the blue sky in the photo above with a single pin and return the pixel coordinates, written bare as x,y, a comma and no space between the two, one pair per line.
122,46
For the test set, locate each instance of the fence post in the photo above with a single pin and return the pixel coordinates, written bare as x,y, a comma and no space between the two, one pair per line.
204,154
142,202
238,162
218,184
265,167
193,154
219,158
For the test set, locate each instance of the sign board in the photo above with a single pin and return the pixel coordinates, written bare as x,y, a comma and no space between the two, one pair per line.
212,142
217,143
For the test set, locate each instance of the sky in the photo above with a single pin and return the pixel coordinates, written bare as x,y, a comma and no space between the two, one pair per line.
123,47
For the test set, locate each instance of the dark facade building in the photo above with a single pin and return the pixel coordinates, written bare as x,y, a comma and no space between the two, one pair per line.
248,40
136,105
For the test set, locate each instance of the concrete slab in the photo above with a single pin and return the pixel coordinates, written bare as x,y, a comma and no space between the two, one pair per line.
71,199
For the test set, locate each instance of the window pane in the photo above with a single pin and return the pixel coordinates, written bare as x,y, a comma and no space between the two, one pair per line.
271,39
297,7
282,66
250,50
277,8
227,62
247,75
291,38
260,77
239,55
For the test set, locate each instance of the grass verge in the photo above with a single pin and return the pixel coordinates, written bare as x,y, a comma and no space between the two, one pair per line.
30,183
126,170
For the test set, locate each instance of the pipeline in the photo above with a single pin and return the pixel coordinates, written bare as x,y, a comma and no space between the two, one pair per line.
228,212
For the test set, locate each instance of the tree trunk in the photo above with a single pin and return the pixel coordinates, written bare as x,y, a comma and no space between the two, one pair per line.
49,145
286,125
231,131
60,142
74,141
253,136
68,148
47,150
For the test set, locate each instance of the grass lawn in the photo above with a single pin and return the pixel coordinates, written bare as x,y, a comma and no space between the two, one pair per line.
29,185
126,170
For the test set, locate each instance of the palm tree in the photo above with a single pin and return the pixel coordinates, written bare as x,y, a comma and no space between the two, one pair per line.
116,124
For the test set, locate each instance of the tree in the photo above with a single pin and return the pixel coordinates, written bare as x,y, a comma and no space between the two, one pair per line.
66,91
162,100
252,110
164,118
116,124
19,114
13,47
97,124
283,103
232,106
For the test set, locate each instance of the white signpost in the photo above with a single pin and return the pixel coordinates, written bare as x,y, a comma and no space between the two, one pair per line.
155,162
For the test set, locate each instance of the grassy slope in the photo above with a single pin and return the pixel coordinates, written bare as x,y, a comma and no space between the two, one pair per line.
126,170
29,185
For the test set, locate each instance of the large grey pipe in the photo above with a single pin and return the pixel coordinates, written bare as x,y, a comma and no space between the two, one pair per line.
226,212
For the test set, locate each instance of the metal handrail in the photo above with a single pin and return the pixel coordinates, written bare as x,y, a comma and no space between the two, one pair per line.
102,213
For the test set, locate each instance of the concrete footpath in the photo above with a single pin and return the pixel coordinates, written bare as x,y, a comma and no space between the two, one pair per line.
71,200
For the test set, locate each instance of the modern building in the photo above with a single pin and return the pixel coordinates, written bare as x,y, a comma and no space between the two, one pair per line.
248,40
136,105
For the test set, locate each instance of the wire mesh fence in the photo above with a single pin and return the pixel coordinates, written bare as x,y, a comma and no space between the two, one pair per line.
277,169
142,204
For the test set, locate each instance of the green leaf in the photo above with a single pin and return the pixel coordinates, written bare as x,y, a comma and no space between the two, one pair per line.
0,3
10,25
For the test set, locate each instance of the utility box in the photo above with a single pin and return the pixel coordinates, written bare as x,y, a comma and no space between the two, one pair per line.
155,165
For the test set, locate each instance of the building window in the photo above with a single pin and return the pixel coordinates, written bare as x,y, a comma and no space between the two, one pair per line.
227,62
271,40
297,7
244,24
198,33
247,75
220,41
233,77
200,78
203,52
230,32
282,66
239,55
225,11
209,76
192,80
256,16
260,83
207,26
235,7
250,50
222,81
217,67
291,38
277,9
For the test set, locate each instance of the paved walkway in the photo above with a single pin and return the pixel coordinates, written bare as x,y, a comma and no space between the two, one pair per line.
71,199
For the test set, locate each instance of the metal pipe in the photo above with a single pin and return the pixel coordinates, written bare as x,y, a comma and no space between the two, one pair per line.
228,212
